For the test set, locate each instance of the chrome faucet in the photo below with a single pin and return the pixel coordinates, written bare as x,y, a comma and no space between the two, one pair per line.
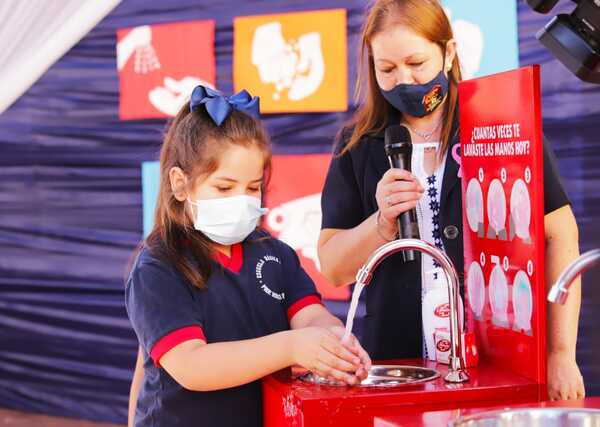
457,372
560,290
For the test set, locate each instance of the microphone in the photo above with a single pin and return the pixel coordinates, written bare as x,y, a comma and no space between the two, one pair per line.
398,147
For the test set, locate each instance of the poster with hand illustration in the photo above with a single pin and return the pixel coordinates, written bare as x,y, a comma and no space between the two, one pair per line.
155,78
295,62
294,217
501,159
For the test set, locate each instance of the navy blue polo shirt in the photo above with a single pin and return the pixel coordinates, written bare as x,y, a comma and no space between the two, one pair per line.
253,293
392,324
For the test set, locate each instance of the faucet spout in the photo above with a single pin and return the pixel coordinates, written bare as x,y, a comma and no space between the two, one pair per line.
560,290
457,372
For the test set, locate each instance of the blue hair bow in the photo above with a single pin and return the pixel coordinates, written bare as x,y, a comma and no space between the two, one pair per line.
219,106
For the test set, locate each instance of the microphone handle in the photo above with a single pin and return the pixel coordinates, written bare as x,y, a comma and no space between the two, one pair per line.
408,225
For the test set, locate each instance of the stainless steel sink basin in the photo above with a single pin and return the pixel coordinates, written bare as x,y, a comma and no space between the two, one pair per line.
382,376
532,417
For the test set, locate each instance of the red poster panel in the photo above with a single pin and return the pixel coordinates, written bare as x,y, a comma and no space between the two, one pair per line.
503,218
159,65
294,202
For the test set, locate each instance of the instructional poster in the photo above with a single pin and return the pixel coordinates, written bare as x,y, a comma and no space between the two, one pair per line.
503,217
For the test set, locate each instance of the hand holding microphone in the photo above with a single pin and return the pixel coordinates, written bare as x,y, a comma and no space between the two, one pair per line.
398,190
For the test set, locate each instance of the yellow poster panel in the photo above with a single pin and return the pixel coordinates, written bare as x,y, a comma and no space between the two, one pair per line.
295,62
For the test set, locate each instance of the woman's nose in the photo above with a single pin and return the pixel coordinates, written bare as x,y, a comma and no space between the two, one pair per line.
404,76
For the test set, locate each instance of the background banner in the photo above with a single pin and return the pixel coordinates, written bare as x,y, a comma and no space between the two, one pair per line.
295,62
486,34
159,66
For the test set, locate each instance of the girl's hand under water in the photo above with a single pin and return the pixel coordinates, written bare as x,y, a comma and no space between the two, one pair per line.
352,344
321,351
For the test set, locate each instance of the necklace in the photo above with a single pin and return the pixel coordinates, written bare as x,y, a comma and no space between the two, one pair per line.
424,135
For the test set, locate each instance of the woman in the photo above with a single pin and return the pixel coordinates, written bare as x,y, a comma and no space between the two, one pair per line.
410,58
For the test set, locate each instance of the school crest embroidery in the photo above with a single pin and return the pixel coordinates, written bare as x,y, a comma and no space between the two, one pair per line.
265,260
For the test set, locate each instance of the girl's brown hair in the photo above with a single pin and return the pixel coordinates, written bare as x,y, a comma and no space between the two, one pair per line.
195,144
427,19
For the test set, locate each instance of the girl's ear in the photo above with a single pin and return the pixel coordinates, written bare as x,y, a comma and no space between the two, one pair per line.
178,182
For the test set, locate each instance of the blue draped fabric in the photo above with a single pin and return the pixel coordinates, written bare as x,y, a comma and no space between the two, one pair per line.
71,203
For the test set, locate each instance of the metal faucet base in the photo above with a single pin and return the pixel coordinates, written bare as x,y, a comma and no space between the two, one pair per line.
458,376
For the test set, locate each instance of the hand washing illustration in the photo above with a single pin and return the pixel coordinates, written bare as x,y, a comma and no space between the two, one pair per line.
295,67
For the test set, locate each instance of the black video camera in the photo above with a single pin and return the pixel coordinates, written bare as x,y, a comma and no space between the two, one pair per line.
574,39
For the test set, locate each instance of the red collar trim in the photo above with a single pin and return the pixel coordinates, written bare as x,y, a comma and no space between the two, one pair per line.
233,263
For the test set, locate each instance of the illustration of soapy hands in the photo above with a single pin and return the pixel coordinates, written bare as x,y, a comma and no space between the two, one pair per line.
294,66
170,97
139,42
498,293
522,301
298,223
496,204
469,44
476,288
474,201
520,207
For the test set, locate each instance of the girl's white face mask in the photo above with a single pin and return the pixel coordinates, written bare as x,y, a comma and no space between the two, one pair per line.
227,220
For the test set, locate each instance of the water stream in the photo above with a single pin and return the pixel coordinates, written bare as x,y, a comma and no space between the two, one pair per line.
352,311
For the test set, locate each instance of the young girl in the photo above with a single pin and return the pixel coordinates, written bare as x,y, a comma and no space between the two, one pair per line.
216,304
